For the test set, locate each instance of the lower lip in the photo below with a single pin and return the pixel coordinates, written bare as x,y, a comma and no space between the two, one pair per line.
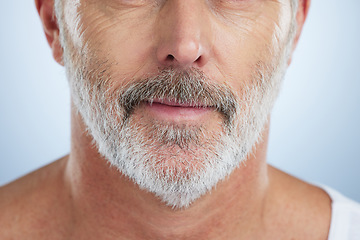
177,113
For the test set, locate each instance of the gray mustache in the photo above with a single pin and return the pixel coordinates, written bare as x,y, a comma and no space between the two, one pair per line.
181,86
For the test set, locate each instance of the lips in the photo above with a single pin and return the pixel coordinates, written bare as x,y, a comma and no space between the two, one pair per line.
170,110
173,103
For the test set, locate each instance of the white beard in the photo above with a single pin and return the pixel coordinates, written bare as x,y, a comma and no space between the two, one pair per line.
177,174
153,156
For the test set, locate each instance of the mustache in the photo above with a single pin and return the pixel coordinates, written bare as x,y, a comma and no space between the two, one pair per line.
190,86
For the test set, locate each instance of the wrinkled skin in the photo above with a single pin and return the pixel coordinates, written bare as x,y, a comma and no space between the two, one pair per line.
225,39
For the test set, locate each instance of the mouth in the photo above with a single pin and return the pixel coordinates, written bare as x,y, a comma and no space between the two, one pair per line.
171,110
174,103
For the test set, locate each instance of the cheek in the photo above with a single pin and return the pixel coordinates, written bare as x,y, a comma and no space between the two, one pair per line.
127,47
119,39
241,48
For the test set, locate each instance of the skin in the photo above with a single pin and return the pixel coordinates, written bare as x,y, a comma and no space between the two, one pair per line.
81,197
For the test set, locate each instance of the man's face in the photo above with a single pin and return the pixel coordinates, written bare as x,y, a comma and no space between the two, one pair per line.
175,93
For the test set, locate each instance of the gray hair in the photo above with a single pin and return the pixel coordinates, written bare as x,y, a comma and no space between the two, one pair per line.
294,7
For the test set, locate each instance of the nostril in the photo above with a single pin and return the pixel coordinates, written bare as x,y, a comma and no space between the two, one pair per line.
170,58
198,59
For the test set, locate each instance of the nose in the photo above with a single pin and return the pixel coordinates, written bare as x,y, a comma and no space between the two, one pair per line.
183,34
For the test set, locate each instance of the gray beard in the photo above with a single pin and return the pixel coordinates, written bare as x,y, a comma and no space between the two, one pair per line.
177,163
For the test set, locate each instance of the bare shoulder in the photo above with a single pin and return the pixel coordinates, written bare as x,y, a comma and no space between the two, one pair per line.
29,204
301,208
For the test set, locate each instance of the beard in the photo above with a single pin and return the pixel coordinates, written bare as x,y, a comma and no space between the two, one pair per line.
177,162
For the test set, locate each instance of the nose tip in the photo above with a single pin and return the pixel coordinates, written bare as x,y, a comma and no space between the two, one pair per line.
183,33
183,52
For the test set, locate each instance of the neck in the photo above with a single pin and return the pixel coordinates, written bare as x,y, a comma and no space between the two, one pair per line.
106,202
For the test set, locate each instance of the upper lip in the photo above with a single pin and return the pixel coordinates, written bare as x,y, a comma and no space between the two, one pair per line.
174,103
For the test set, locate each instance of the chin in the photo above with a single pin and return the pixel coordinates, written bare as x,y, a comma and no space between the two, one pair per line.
177,167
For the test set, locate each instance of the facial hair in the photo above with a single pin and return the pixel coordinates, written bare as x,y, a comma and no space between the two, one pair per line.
178,163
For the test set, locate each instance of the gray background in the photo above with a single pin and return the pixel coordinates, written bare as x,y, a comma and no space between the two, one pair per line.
315,124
